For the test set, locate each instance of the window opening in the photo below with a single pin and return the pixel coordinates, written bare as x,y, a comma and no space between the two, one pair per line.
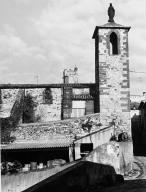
113,44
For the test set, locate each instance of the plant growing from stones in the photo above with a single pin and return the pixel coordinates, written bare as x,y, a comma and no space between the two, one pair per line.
87,126
113,123
47,96
28,109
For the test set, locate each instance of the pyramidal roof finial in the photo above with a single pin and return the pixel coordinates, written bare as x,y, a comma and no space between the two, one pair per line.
111,13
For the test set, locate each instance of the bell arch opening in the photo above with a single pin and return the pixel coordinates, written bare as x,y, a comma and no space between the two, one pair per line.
113,44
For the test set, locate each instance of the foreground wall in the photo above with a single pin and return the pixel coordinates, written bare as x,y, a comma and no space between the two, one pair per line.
98,138
117,154
79,177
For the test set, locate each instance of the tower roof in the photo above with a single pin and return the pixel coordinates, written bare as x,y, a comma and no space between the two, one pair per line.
111,23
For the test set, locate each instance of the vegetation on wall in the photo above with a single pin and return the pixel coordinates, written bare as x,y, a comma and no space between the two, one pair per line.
47,96
28,109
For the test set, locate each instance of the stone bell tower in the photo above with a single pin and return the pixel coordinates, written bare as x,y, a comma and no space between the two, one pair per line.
112,66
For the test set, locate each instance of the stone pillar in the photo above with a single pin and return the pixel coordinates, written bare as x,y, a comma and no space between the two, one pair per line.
71,155
67,103
77,151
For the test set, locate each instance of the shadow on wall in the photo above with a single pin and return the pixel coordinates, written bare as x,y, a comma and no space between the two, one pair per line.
9,124
80,177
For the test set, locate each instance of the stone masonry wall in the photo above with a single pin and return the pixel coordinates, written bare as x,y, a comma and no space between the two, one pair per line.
42,112
46,132
114,72
8,97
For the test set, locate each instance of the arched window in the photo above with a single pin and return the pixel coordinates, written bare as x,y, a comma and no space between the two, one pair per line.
113,44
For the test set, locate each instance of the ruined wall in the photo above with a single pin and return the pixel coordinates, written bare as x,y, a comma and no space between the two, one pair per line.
46,111
114,72
8,97
42,111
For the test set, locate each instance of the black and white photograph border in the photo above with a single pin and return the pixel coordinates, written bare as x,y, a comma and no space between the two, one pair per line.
73,95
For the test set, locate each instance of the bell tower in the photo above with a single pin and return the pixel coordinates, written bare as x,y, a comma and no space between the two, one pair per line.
112,66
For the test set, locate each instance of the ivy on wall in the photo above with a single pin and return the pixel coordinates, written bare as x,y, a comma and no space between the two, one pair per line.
47,96
28,109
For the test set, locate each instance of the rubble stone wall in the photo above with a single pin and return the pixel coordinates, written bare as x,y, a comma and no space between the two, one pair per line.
44,132
43,111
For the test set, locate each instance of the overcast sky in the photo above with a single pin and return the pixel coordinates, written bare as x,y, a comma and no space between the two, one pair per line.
43,37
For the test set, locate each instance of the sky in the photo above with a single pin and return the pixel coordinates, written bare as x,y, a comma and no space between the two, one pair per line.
41,38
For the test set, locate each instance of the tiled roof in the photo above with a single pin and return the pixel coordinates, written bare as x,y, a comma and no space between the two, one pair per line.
15,146
112,25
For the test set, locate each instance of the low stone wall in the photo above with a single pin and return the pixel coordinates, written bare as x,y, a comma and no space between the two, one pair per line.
117,154
70,128
98,138
107,154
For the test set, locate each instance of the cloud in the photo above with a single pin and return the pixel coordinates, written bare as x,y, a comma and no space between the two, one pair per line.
55,35
67,29
17,58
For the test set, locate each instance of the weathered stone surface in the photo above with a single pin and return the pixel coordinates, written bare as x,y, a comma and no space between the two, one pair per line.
117,154
107,154
43,111
70,128
113,73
